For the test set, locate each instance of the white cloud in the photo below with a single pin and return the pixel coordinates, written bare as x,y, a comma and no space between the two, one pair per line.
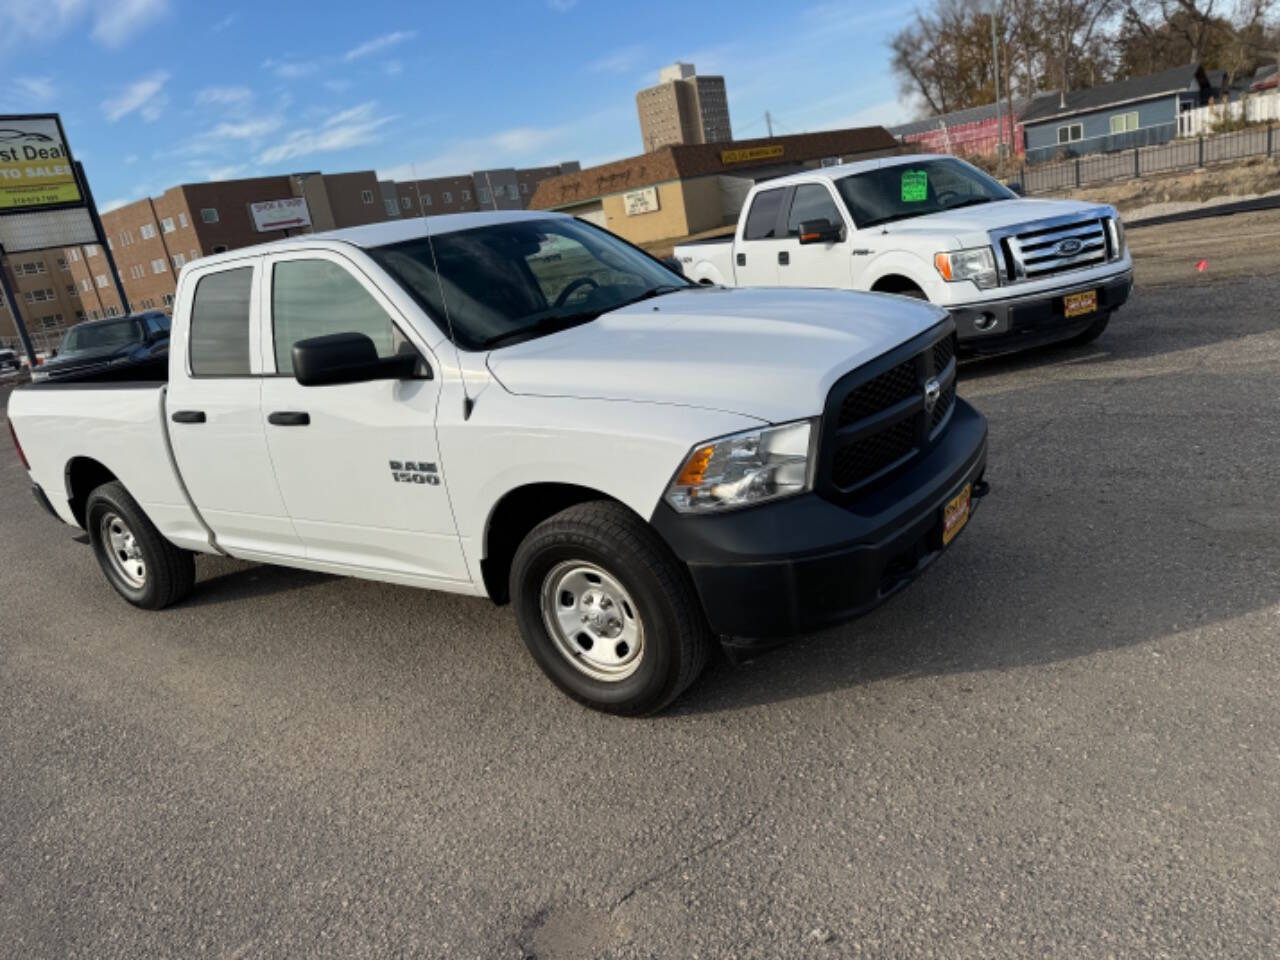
35,89
291,69
622,60
379,43
224,23
116,22
246,130
337,86
224,96
147,97
130,159
228,172
393,68
350,128
114,204
562,6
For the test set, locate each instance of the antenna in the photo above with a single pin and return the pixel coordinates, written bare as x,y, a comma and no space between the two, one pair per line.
468,404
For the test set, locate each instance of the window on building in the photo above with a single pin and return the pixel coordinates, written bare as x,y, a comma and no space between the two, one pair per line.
426,199
446,197
157,266
513,192
79,315
167,225
182,220
1124,122
311,298
92,250
71,289
86,284
762,221
482,194
812,201
101,280
406,203
366,196
147,231
73,255
50,322
220,324
112,312
524,188
1070,133
179,261
466,196
62,264
393,210
209,215
168,302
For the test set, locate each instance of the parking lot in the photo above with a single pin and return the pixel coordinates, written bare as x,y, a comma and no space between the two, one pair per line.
1061,742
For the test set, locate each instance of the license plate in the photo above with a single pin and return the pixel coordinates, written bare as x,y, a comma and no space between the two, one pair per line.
1079,304
956,514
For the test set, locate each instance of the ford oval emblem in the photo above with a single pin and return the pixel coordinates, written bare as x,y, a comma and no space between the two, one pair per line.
1069,247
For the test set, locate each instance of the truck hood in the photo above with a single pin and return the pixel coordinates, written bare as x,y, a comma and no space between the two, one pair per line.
970,224
768,353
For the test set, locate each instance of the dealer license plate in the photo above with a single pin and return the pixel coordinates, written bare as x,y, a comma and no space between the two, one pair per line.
1079,304
956,514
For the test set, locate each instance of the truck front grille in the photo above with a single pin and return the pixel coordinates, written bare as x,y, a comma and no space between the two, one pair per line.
1055,249
880,419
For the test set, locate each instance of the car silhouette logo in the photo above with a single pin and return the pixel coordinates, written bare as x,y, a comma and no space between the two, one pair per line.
10,135
1069,246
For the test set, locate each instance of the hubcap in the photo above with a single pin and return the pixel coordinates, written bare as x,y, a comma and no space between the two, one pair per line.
122,548
593,621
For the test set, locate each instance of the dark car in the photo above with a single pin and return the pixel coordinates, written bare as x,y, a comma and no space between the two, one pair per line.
9,361
116,346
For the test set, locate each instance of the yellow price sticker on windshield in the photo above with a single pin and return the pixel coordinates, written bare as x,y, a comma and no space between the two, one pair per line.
915,186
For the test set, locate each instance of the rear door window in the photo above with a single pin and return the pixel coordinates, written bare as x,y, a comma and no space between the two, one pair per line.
762,220
220,324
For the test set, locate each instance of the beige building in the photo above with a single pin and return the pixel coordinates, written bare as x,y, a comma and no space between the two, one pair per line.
49,297
684,108
676,191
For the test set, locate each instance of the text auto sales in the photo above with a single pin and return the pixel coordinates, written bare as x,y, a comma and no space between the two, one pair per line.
27,154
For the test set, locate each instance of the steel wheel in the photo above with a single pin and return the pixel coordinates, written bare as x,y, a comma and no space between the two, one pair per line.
123,550
593,620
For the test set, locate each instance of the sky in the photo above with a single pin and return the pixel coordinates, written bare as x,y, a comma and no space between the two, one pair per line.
154,93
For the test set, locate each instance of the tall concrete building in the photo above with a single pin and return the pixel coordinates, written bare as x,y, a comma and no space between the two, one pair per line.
684,108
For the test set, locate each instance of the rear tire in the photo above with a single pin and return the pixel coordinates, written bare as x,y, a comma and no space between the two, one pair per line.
144,567
607,611
1091,332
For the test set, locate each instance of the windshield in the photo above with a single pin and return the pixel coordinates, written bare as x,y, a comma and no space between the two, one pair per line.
92,336
517,280
907,190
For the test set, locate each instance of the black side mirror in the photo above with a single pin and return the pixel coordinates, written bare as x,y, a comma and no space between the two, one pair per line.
348,358
672,264
1016,187
820,231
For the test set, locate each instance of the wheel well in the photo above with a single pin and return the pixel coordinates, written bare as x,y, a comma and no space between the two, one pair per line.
896,283
84,475
511,520
707,282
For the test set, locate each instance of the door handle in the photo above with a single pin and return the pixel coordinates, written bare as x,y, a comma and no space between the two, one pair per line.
188,416
742,259
289,418
783,258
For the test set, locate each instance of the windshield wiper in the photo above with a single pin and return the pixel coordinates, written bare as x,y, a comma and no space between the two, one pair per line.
550,323
969,203
649,294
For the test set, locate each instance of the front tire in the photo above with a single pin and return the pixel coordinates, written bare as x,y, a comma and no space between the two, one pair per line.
606,610
144,567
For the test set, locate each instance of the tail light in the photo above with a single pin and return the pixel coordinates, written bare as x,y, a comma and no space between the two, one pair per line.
17,446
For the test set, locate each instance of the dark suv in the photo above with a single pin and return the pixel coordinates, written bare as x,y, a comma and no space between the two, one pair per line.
103,349
9,361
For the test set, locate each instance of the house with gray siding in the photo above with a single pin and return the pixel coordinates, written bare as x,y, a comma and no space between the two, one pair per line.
1137,112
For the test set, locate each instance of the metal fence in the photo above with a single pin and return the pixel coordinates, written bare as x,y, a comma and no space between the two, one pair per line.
1143,161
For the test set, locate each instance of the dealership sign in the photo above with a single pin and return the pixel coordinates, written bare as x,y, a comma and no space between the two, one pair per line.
36,171
280,214
751,154
640,201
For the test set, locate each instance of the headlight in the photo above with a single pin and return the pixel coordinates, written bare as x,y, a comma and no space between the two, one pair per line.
744,469
977,264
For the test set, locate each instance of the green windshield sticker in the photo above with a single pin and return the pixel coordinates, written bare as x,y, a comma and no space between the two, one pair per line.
915,186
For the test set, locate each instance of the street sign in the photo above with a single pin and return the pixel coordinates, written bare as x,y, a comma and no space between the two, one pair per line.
287,214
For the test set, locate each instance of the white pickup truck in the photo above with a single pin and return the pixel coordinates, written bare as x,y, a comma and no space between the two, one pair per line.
1012,272
525,407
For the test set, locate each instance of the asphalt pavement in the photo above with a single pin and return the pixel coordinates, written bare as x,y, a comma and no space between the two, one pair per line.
1062,742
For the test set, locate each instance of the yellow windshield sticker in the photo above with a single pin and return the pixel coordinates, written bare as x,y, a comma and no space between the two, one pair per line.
915,186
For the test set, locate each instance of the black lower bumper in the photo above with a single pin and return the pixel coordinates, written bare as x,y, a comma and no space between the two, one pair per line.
43,500
1020,322
801,564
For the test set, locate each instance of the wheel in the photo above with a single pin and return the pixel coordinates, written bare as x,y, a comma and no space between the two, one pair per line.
606,610
1091,332
144,567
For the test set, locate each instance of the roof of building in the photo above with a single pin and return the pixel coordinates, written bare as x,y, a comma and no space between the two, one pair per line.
696,160
1171,81
957,117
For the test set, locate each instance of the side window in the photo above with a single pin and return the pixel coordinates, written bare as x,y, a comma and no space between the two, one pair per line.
762,221
312,298
812,201
220,324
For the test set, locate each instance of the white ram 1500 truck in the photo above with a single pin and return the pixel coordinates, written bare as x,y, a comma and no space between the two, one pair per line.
525,407
1012,272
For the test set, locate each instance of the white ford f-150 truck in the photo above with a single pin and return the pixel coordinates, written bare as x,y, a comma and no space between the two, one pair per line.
1012,272
525,407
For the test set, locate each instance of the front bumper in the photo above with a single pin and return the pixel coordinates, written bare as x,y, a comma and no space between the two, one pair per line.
1015,323
805,563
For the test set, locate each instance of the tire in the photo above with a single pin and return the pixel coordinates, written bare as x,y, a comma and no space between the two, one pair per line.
648,640
1091,332
144,567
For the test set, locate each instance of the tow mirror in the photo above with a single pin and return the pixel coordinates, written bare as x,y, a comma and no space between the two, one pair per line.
348,358
820,231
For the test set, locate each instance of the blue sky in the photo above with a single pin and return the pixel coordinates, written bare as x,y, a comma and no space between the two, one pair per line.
159,92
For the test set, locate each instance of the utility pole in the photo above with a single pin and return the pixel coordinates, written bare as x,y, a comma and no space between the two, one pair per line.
768,122
995,71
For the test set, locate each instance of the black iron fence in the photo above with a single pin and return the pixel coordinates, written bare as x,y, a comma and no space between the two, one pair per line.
1140,161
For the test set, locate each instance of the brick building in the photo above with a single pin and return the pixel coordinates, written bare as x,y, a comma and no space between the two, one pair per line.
49,294
684,108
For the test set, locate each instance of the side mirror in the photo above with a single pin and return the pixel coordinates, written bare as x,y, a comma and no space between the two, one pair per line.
820,231
1016,187
347,358
672,264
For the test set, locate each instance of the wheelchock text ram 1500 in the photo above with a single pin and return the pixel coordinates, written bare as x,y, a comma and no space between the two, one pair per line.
524,407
